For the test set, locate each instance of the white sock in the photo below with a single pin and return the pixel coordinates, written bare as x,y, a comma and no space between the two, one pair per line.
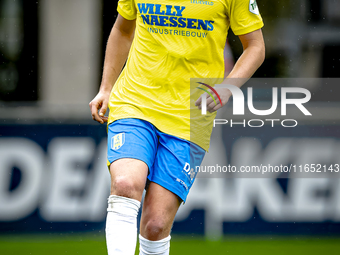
161,247
121,225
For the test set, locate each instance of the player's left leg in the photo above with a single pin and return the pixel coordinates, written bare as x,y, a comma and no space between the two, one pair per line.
171,178
159,210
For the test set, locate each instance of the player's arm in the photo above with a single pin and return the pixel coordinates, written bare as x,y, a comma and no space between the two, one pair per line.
117,50
251,59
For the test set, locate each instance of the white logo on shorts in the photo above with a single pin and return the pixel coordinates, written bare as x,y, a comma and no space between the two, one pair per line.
117,141
190,171
192,174
186,167
182,182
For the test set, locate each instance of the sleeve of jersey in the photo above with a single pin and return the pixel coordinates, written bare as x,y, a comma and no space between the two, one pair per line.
127,9
244,16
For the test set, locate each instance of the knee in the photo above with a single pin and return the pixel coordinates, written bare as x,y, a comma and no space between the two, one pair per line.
155,229
125,187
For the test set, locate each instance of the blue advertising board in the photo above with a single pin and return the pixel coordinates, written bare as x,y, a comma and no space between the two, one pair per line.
54,178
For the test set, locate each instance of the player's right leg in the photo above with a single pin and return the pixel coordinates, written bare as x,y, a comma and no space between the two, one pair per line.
128,177
132,145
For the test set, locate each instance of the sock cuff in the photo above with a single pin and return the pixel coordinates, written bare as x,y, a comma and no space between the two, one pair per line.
154,247
123,205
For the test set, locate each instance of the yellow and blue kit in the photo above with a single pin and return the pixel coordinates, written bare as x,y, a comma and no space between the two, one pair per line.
175,40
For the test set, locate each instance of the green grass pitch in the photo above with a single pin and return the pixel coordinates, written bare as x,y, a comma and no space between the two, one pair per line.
90,245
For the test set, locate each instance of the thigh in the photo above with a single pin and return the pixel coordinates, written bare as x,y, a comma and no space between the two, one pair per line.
132,146
128,178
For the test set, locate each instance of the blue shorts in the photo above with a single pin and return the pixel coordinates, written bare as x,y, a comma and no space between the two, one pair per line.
171,160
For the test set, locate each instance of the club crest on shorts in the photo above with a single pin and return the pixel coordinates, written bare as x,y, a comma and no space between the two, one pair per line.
117,141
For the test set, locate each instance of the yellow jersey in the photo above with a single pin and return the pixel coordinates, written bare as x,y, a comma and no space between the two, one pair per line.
175,41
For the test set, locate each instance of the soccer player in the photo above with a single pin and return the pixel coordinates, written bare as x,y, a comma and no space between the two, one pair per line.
164,43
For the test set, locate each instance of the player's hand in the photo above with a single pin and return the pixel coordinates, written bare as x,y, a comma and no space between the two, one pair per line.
98,107
224,94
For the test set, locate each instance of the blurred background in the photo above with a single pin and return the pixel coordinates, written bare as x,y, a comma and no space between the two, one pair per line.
53,176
